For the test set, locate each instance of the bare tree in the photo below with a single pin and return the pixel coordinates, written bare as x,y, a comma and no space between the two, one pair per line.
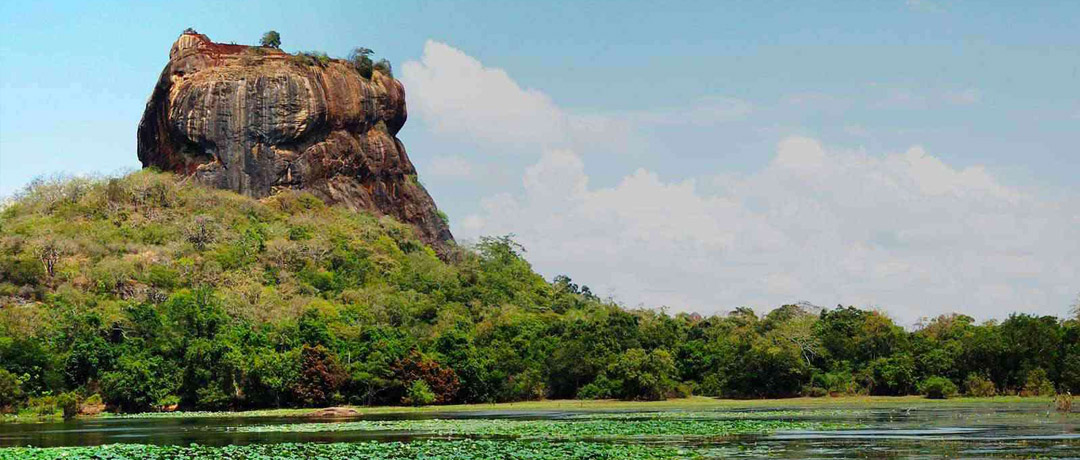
202,232
49,254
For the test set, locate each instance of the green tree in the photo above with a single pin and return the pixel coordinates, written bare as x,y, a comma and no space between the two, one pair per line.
639,374
937,388
139,383
419,394
361,59
271,39
11,393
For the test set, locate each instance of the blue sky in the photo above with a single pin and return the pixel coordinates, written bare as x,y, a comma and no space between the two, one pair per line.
614,104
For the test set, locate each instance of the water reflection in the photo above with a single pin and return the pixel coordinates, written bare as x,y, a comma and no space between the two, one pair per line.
1018,431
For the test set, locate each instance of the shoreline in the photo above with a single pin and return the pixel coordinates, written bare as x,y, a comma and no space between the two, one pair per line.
694,402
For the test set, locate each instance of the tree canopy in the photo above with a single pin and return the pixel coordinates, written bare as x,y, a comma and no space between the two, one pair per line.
152,291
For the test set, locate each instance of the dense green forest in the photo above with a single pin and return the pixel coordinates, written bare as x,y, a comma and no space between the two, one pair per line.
149,291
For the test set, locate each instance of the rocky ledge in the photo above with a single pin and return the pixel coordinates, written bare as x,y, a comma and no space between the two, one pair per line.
257,120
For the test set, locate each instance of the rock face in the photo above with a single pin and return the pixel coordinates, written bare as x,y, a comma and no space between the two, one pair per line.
256,120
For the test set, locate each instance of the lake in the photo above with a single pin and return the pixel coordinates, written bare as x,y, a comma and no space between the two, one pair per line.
973,430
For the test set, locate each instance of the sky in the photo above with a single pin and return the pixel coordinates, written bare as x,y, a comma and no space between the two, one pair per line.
919,157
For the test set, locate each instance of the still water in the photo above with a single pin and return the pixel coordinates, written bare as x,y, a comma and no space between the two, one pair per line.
972,431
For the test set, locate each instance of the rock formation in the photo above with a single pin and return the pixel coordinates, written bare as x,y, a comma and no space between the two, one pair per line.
257,120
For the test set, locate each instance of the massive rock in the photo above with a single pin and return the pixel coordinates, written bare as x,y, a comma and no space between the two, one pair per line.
257,120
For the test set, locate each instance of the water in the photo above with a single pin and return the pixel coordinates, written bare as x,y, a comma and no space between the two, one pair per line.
973,431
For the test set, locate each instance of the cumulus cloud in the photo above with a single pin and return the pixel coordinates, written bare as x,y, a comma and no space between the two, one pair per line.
454,93
905,231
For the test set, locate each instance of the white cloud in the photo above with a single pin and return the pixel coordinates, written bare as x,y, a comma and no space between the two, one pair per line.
905,231
452,166
455,93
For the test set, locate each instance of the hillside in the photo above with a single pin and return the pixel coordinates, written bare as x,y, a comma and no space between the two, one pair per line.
151,290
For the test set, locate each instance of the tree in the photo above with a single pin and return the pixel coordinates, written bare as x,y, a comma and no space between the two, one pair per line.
642,375
10,389
361,59
271,39
419,394
139,383
49,254
320,376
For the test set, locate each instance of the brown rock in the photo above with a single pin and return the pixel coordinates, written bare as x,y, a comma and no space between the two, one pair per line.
335,412
256,120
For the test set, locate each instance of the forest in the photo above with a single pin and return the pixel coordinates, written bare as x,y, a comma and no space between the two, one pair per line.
150,292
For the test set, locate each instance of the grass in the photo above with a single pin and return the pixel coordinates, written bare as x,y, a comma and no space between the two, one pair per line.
695,403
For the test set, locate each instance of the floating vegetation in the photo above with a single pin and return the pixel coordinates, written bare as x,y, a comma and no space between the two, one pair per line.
556,429
430,449
793,414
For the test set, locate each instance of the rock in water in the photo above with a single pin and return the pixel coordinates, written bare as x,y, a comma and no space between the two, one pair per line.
257,120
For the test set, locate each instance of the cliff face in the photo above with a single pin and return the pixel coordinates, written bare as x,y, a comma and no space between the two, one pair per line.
255,120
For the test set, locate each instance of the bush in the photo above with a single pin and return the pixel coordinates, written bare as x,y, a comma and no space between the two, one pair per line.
938,388
1038,384
361,60
836,383
600,388
383,66
11,393
271,39
42,406
979,386
419,394
69,403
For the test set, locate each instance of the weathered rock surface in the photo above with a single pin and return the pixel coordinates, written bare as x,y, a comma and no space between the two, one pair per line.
254,120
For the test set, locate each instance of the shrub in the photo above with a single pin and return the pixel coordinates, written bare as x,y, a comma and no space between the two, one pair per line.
361,60
442,380
94,400
419,394
979,386
271,39
202,232
11,393
69,403
1037,384
938,388
1063,402
840,382
383,66
600,388
42,406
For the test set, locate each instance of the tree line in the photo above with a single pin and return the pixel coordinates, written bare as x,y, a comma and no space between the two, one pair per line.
148,292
